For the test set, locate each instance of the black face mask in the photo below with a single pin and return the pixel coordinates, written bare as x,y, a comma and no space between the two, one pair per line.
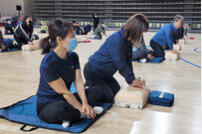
30,22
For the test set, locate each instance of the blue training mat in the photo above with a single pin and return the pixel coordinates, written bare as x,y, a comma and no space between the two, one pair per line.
155,60
24,112
10,50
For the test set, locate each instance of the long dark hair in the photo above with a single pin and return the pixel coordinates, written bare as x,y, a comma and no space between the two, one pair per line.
135,26
56,28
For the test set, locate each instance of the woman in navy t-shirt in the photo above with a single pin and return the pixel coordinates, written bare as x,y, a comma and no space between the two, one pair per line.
116,55
59,68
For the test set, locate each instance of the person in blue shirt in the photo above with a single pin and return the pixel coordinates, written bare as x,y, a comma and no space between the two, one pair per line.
164,37
142,52
59,69
14,22
6,44
115,55
87,28
8,28
78,30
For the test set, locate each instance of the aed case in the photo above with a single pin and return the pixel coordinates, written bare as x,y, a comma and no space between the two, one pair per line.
161,98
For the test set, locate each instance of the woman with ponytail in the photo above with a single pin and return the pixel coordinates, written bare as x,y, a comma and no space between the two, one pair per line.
59,69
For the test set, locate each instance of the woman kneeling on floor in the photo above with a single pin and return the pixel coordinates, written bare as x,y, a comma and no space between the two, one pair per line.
116,55
23,35
59,69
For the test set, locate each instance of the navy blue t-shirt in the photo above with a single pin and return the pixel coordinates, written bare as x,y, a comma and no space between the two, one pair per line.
114,55
52,68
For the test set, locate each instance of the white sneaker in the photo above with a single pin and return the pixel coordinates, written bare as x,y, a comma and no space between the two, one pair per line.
143,60
65,124
98,109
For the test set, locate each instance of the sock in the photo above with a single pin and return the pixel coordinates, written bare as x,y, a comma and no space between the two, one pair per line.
98,109
65,124
143,60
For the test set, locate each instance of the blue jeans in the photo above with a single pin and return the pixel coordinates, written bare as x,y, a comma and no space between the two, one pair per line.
139,54
9,42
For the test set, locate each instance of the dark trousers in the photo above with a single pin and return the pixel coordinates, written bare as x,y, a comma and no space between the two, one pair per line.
43,31
98,36
11,31
139,54
20,41
108,85
61,110
86,32
96,22
157,49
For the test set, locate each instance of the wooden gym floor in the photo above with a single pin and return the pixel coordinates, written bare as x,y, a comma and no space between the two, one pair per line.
19,79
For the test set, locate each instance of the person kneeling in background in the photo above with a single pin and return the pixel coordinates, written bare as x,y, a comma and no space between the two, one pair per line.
8,28
23,33
141,52
87,28
6,44
44,28
165,37
181,33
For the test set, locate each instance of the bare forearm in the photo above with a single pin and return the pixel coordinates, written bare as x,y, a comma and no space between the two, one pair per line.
70,98
81,92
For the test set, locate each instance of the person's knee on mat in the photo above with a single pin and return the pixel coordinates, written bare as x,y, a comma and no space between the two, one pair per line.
68,113
157,49
108,95
97,95
58,112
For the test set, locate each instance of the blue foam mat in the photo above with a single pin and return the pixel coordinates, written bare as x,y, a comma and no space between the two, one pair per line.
24,112
11,50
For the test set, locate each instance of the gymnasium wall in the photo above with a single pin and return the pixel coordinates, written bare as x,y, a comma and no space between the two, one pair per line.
8,7
116,12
